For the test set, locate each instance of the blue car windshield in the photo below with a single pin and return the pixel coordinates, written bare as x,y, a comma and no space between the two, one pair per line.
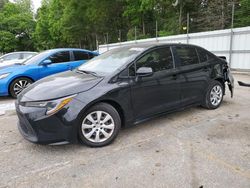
110,61
37,58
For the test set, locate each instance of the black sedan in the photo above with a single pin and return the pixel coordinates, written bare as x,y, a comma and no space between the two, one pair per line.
119,88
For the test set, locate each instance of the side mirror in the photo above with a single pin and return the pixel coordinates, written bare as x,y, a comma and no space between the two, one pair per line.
46,62
144,71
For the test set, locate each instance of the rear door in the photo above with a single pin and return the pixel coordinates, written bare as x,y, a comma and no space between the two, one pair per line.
195,75
157,93
60,63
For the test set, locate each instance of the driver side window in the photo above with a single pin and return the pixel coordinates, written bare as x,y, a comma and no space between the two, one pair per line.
60,57
158,59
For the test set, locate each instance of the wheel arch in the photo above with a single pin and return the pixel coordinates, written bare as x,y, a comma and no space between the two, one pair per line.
222,81
17,77
114,104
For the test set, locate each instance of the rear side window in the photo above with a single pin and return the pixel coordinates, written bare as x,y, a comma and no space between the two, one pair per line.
79,55
158,59
204,56
60,57
187,55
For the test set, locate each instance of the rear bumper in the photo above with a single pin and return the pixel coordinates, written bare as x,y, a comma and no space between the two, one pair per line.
230,82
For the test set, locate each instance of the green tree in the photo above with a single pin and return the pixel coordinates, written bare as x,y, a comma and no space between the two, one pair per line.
16,26
2,3
242,16
73,23
41,35
139,13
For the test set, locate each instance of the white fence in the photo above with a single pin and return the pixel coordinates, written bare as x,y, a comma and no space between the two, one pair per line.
234,44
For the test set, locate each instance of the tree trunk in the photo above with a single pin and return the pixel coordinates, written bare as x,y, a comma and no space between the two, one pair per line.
222,15
143,25
80,43
180,18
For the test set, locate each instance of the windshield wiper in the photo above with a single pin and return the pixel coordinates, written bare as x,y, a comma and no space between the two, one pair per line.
87,72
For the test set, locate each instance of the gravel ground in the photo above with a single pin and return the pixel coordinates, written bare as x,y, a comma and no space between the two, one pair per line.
6,104
192,148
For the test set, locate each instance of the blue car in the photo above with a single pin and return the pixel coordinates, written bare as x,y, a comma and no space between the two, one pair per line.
15,78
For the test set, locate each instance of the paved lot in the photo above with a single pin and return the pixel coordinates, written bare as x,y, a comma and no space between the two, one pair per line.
192,148
6,104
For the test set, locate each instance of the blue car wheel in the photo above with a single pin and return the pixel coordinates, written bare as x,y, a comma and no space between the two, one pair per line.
18,85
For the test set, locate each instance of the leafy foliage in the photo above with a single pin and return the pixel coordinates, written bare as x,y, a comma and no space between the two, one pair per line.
242,14
16,27
85,24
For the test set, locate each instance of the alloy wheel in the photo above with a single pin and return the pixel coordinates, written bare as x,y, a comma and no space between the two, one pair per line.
216,95
98,126
20,86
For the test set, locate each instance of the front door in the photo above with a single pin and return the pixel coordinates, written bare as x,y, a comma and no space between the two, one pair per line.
157,93
60,63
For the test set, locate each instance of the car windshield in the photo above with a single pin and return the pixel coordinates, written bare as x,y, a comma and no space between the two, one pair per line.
110,61
37,58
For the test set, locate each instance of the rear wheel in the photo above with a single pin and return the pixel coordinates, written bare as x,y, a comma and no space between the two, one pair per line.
214,95
100,125
18,85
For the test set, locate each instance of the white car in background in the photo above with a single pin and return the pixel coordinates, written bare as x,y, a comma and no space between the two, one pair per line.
15,57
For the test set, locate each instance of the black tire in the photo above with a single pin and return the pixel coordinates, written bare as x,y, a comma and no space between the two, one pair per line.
12,90
207,101
105,109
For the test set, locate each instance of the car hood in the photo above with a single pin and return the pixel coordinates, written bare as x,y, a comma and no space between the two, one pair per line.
10,62
7,63
59,85
9,68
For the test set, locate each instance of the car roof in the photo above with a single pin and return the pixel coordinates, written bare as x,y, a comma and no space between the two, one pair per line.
69,49
155,44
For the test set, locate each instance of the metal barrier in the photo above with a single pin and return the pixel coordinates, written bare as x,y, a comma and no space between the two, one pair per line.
232,43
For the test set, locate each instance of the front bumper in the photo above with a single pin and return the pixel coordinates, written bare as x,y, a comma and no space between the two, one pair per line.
36,127
4,91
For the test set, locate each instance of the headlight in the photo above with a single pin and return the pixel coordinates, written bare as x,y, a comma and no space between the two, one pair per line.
52,106
2,76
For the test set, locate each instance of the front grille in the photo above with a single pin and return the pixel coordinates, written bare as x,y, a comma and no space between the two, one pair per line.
25,126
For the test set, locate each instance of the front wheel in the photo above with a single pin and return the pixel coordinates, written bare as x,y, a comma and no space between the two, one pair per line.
99,125
214,95
18,85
